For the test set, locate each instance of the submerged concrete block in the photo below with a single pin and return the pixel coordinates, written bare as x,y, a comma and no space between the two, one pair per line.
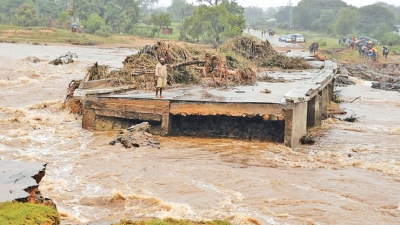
295,124
313,112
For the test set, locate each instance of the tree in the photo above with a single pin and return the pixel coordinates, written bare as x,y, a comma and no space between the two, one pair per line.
145,4
63,17
233,7
162,20
269,13
283,15
179,9
94,23
374,16
347,21
393,9
214,23
3,18
114,16
83,8
27,14
121,15
211,2
253,14
325,22
307,11
9,7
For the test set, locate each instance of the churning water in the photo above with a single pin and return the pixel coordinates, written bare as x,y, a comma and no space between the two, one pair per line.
350,176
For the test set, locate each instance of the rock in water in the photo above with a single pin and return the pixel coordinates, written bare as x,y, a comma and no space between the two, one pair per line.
136,136
343,80
307,139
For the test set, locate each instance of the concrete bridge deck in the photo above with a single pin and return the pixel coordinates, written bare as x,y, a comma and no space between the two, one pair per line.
242,111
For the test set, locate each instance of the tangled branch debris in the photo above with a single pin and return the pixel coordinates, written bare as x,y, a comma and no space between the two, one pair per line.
186,68
136,136
64,59
351,119
262,54
75,106
307,139
229,67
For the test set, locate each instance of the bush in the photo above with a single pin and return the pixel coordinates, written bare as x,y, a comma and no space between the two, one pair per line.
284,26
391,39
322,43
102,33
63,17
144,31
94,23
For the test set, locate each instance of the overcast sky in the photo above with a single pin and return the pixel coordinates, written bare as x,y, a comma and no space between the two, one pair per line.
274,3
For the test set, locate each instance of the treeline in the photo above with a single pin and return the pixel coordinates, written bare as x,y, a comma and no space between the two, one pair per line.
212,21
333,17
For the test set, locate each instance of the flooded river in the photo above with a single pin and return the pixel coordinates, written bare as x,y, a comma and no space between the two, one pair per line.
350,176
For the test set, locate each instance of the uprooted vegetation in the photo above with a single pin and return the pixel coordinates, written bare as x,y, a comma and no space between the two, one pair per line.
233,64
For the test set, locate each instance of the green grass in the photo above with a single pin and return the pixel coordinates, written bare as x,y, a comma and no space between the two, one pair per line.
170,221
52,35
15,213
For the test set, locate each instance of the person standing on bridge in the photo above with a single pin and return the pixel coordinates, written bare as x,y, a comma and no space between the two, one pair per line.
161,75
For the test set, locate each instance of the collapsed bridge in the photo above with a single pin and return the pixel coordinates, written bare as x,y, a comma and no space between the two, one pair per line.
279,112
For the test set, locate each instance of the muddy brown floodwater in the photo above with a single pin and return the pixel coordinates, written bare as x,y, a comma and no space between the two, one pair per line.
350,176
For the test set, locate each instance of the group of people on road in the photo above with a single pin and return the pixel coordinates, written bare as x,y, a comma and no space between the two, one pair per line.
366,48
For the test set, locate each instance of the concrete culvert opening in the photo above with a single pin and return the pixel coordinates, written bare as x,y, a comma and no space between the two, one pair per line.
116,123
255,128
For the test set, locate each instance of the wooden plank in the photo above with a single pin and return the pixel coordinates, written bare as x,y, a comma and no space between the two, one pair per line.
228,109
128,115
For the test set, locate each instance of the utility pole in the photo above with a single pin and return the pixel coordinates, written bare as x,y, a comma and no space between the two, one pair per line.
290,14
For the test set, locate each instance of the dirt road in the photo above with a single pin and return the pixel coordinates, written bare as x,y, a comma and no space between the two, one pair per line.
275,41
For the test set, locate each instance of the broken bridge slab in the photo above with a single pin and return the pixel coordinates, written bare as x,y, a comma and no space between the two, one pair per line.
15,176
273,110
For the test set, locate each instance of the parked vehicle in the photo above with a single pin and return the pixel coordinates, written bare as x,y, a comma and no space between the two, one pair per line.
289,38
282,38
298,38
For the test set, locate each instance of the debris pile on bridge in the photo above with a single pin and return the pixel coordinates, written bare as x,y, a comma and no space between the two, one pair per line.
230,66
136,136
262,54
186,65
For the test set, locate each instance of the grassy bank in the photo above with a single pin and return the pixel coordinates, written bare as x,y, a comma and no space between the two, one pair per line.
15,213
42,35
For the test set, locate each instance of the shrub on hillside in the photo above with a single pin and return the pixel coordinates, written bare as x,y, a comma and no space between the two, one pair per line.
322,43
391,39
94,23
